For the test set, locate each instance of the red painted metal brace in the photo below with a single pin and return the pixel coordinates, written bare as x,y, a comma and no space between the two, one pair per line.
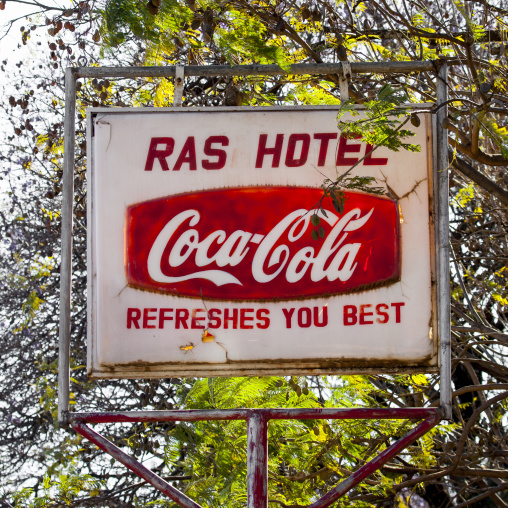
257,443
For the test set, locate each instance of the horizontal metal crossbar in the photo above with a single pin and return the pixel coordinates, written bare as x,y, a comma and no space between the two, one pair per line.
194,415
308,69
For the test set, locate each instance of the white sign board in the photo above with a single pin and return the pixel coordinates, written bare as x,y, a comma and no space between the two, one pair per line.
208,256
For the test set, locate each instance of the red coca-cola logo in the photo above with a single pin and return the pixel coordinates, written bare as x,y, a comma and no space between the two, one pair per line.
255,243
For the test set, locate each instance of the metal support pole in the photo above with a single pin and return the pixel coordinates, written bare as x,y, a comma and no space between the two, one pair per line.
344,77
178,93
443,261
257,460
66,261
143,472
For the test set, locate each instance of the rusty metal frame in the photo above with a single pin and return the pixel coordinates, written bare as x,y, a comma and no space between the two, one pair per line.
257,419
257,443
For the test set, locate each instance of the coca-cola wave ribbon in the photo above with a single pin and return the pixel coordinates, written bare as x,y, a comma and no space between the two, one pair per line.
255,243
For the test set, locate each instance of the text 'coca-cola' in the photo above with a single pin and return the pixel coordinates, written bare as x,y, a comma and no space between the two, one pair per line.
255,243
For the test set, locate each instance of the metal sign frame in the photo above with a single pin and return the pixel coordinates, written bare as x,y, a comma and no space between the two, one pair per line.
257,419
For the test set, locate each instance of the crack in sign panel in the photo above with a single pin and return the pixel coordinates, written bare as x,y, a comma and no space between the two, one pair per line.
122,290
392,194
103,122
206,336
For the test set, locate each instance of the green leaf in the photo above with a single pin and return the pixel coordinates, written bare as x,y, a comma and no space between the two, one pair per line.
315,220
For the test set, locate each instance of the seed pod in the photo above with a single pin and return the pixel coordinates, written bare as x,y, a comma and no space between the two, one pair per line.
152,9
415,120
233,97
207,29
279,27
485,87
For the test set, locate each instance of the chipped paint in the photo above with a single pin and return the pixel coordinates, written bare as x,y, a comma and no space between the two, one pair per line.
207,337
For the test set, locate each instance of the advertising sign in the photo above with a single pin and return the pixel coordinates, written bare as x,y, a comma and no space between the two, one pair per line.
210,254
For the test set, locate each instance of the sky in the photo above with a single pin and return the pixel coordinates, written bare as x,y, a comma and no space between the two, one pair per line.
12,48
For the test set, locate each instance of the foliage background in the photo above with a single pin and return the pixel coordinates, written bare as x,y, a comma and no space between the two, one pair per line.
460,464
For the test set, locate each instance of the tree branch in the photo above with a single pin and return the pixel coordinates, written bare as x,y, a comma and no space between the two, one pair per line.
473,174
482,158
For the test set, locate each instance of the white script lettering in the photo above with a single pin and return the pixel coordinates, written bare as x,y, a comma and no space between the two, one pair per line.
334,252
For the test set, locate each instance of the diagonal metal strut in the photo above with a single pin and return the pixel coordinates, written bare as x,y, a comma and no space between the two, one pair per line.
135,466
